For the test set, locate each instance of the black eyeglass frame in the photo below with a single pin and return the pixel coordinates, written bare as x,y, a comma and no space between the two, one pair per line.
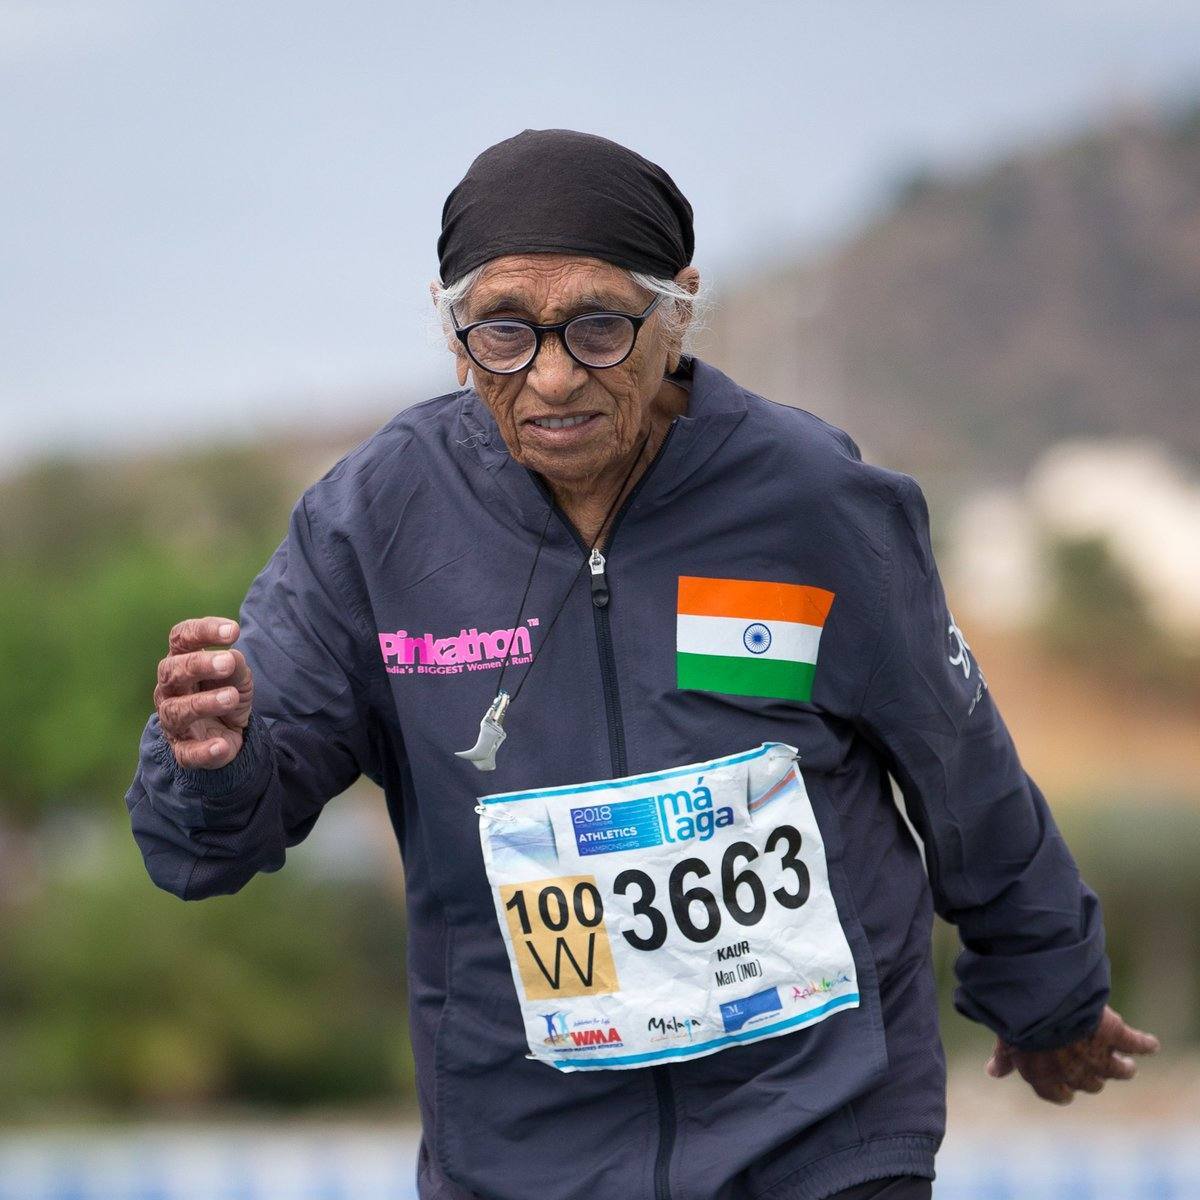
637,320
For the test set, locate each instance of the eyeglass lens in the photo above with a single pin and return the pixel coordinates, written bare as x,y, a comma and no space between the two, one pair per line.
597,341
501,345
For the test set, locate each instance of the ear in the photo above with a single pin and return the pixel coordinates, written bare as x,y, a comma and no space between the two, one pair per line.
461,362
688,278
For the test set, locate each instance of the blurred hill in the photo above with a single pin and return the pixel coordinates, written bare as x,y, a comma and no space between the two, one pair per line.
980,318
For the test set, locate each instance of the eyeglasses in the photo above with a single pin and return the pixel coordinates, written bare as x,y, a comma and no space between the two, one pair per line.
506,345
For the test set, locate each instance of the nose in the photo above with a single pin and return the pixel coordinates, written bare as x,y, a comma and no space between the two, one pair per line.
554,375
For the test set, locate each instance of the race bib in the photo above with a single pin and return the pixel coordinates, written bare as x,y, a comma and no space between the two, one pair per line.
667,916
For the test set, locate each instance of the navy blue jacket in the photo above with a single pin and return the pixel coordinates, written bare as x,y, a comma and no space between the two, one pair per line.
429,528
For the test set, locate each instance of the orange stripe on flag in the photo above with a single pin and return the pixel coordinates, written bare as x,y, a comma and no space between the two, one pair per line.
753,600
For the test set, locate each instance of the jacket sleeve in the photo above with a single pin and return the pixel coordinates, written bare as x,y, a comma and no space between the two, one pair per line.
1033,966
205,833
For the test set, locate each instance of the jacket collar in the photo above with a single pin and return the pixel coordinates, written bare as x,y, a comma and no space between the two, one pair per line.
715,407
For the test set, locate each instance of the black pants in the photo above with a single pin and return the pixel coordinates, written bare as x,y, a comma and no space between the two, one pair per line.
898,1187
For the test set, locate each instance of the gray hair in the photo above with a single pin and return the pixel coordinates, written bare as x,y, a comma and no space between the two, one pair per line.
674,314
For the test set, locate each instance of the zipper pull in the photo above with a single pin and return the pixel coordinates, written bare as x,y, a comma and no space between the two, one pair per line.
599,579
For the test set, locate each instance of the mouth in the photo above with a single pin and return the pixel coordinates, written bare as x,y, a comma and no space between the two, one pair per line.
571,422
554,433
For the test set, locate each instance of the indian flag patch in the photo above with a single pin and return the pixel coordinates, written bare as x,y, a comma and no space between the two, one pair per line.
744,637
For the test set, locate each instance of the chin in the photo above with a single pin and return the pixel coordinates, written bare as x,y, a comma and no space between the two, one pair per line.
567,468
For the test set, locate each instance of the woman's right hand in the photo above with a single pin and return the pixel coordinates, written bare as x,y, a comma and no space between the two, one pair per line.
203,696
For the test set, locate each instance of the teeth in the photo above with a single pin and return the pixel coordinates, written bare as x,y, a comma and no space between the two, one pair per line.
559,422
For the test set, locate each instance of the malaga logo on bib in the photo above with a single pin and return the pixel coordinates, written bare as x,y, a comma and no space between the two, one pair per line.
745,637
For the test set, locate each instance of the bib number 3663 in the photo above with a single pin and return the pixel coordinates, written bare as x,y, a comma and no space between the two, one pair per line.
667,916
698,911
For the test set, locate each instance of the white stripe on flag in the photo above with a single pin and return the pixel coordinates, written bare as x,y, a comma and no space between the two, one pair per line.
790,641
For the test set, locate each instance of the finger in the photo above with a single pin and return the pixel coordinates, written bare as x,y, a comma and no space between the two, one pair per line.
1091,1084
1001,1063
208,754
1120,1066
176,713
1134,1041
1053,1093
1076,1070
239,675
197,632
181,672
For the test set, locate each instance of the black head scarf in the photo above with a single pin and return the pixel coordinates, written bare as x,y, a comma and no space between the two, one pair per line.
567,192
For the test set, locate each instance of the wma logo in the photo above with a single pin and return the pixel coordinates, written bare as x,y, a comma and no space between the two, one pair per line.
591,1039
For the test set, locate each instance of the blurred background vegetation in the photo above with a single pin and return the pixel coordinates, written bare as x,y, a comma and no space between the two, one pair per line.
116,998
1026,332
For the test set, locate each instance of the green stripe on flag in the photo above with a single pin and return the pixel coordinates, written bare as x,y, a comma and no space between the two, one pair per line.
777,678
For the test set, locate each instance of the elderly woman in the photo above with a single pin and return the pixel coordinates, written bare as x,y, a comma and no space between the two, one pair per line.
633,653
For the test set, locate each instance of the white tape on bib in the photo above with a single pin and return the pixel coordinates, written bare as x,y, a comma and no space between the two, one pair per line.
667,916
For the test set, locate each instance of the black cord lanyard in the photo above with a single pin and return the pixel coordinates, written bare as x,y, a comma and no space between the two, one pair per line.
491,728
574,579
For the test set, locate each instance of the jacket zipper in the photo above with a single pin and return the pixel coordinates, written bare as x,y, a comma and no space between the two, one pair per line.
596,565
601,595
666,1132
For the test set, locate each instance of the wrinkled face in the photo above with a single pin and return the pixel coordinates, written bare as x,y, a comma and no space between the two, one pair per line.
616,404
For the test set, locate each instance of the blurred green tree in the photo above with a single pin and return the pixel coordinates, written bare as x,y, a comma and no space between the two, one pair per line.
98,565
115,997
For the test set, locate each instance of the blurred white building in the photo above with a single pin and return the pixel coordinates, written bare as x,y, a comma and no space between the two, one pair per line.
1131,494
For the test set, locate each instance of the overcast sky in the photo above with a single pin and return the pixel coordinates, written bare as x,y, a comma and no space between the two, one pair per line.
217,214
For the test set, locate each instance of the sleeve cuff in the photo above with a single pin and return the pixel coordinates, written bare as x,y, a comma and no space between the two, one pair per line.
220,781
223,788
1055,1036
1000,991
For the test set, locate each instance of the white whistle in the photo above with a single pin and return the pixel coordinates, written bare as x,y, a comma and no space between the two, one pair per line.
491,735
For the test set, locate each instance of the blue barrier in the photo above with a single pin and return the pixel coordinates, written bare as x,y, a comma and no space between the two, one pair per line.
335,1163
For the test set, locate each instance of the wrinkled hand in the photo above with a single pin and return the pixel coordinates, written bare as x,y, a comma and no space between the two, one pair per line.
203,697
1083,1066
